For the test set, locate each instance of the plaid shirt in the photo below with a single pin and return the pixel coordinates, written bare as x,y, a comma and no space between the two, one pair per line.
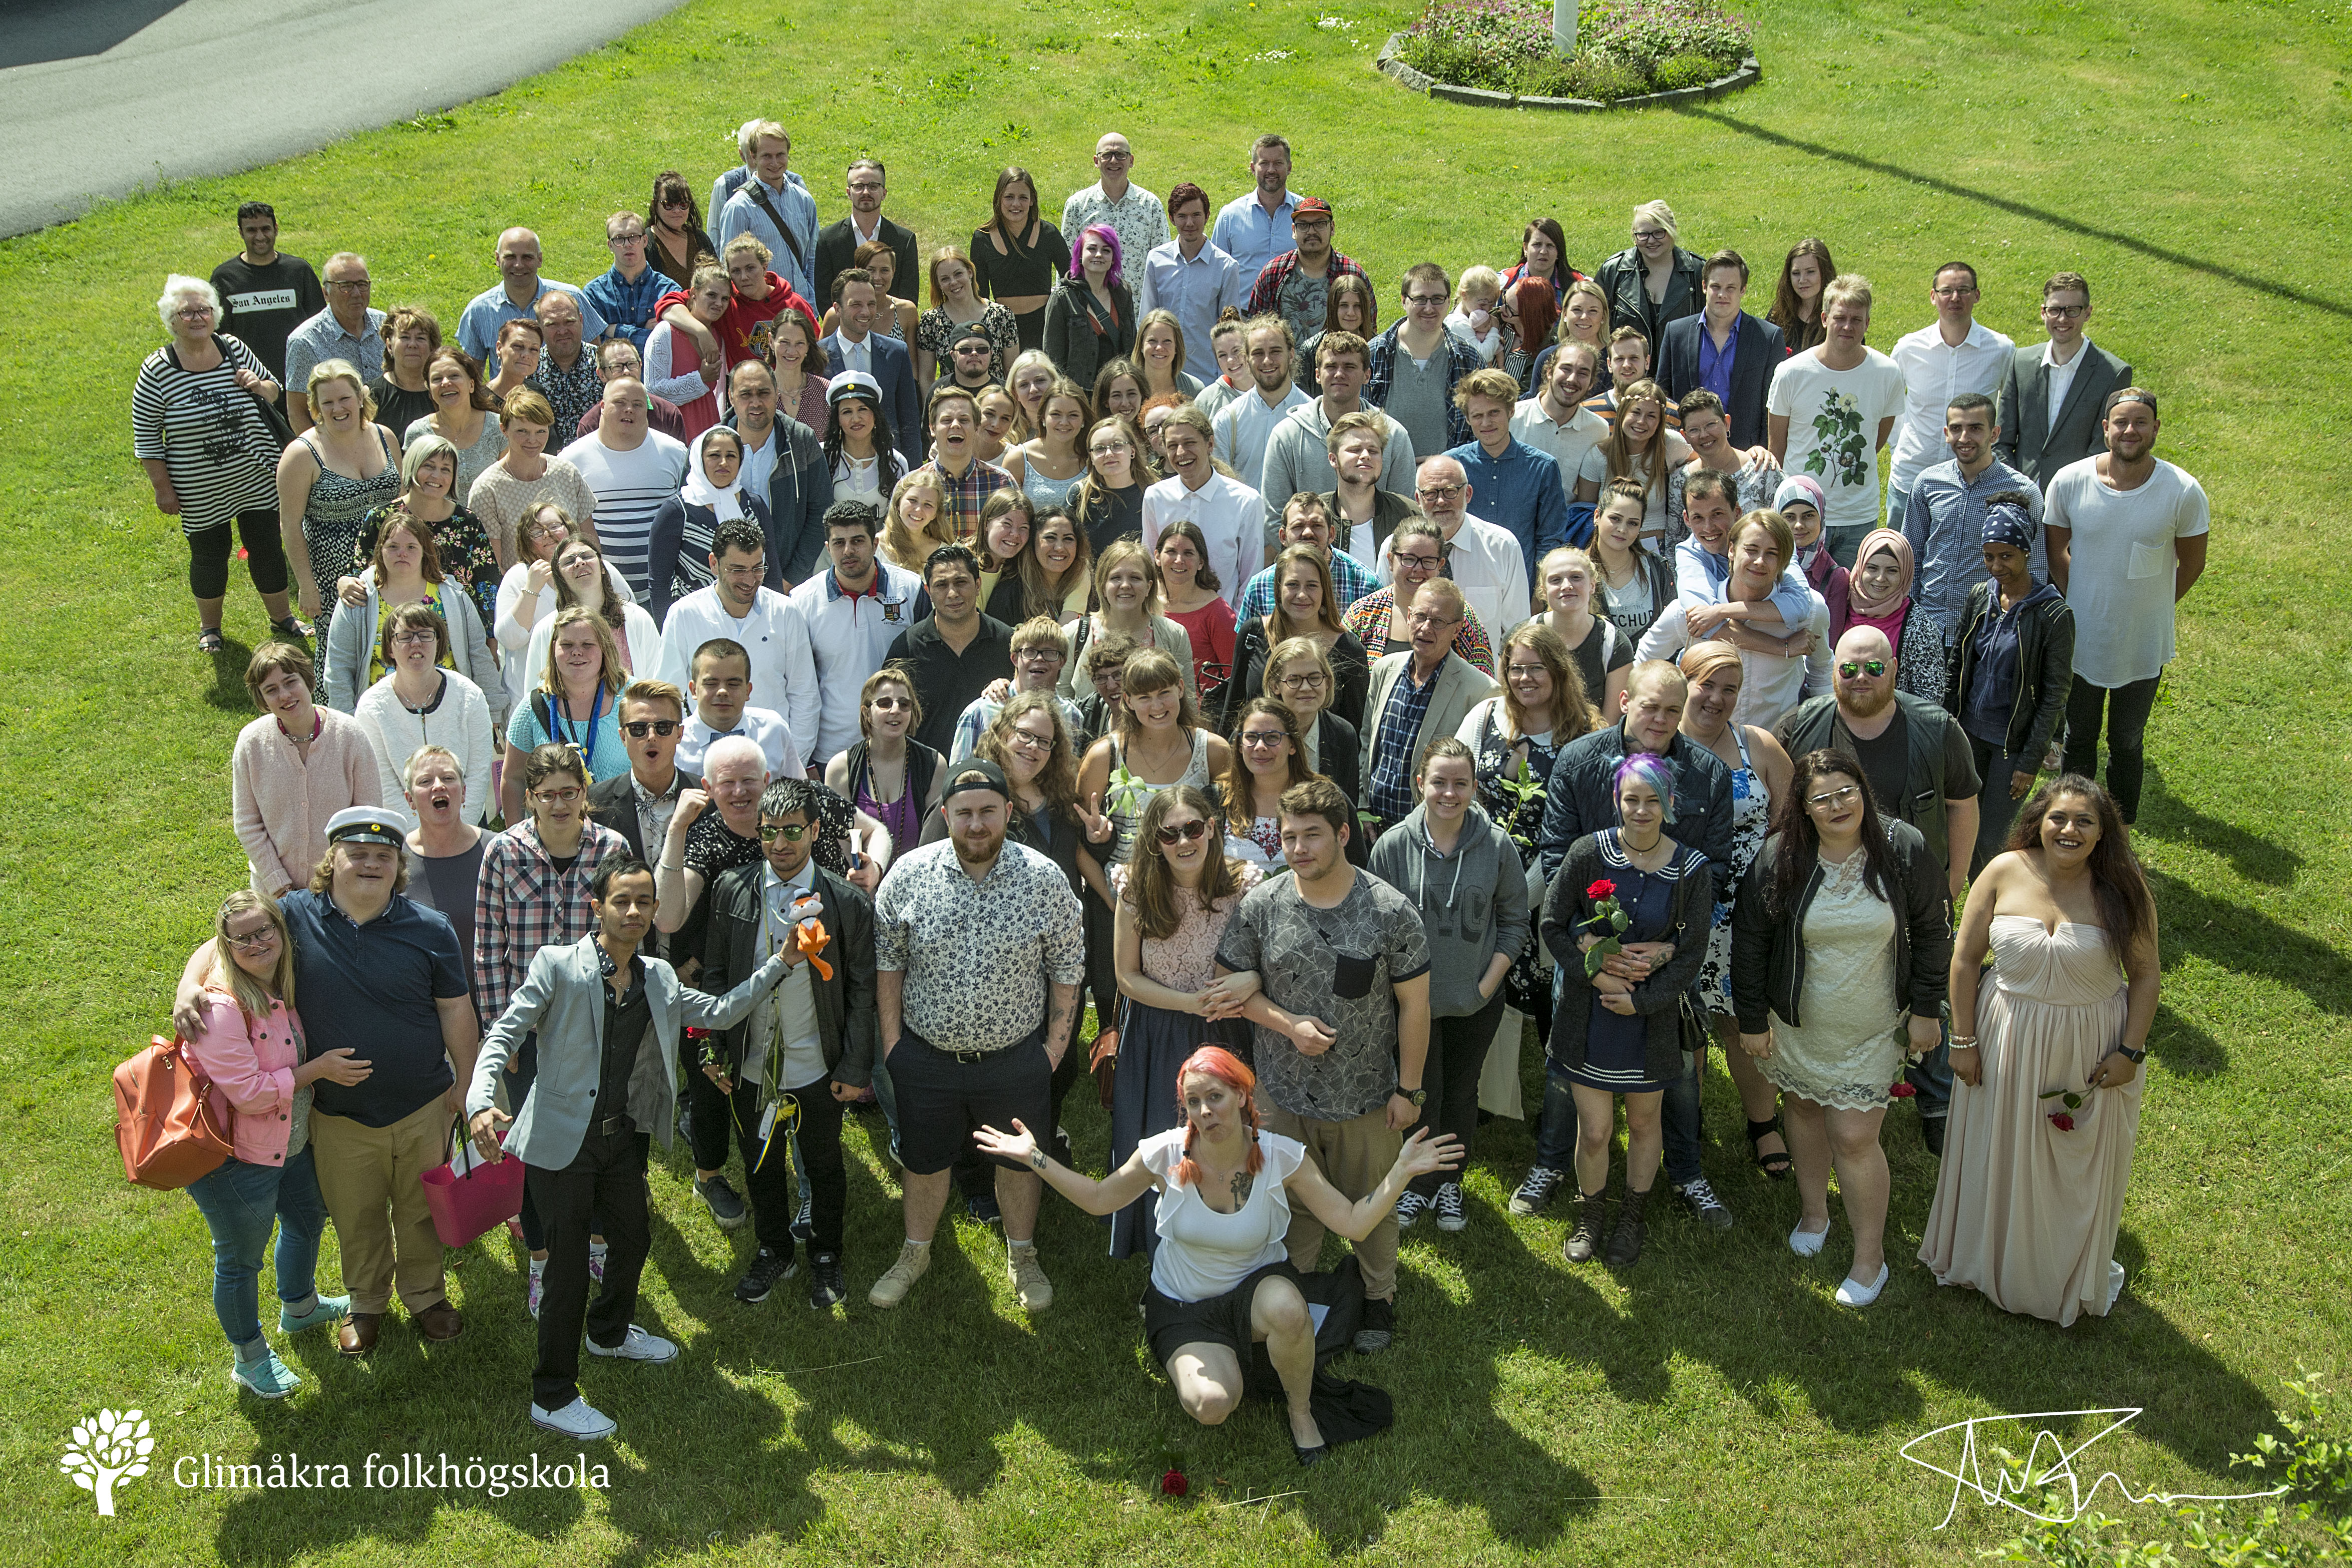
967,495
1461,359
522,903
1390,793
1265,294
1368,620
629,307
1351,581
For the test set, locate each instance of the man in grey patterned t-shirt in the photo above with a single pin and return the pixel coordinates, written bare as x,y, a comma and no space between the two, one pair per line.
1342,1023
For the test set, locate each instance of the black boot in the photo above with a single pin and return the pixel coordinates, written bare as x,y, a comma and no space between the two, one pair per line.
1583,1243
1625,1241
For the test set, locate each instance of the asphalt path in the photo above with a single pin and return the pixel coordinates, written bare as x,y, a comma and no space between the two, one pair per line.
99,99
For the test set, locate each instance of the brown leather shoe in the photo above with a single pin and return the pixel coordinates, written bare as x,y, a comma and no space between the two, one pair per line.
357,1333
439,1321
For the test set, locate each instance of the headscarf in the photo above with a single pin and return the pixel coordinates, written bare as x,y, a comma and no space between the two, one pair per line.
1886,614
1803,487
2006,522
698,489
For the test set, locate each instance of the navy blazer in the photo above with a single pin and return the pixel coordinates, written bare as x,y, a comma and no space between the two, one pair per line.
1758,350
894,367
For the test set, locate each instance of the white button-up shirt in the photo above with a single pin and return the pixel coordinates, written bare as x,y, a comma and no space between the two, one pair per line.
1229,517
1245,422
783,676
1567,440
848,638
1934,372
2058,379
1485,561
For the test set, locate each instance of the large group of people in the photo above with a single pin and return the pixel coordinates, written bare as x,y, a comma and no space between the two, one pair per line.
726,694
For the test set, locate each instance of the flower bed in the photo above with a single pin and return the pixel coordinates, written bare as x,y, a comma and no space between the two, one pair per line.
1624,48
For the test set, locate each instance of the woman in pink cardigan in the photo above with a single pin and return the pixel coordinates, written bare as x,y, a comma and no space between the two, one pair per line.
250,1046
293,768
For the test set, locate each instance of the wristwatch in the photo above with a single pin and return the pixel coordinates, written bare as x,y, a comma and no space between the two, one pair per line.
2131,1056
1413,1096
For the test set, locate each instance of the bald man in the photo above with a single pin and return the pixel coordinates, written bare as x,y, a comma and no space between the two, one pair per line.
1128,209
1920,768
516,295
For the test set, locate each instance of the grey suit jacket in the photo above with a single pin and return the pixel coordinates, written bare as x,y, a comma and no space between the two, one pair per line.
1460,687
563,998
2030,440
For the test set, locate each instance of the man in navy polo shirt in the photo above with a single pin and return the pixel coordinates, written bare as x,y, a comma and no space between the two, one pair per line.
383,976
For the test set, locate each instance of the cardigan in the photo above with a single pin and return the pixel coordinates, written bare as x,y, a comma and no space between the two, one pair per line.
1657,999
459,720
251,1062
352,638
1768,950
279,804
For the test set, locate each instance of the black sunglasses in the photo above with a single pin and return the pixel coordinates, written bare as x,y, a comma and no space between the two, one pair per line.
1184,833
638,728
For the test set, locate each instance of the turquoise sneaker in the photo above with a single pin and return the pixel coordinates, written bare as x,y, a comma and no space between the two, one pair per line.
266,1375
329,1310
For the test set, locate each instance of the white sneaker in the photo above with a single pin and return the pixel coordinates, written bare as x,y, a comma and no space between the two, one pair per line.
638,1345
1030,1286
578,1419
1850,1294
1807,1243
914,1260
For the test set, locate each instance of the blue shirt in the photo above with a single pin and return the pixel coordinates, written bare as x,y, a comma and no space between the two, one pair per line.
1391,795
797,207
371,988
599,739
1944,521
322,338
1701,573
629,307
1992,686
1715,364
1520,492
1251,236
477,328
1196,291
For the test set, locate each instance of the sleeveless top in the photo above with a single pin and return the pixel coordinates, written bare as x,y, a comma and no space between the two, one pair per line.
1203,1254
332,514
1044,493
904,816
1125,805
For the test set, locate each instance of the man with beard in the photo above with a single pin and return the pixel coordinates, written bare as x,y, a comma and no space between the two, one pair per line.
1247,418
980,947
1920,768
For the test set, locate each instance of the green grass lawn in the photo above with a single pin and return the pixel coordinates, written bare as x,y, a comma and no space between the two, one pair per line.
1711,1404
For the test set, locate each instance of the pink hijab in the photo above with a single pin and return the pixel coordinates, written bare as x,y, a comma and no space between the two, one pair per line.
1886,614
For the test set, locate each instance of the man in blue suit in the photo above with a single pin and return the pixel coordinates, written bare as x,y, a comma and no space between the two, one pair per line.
1724,350
854,344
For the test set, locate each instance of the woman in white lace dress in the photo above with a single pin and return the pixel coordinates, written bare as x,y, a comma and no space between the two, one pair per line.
1840,944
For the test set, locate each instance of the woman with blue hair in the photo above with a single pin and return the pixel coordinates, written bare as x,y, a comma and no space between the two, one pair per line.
1627,917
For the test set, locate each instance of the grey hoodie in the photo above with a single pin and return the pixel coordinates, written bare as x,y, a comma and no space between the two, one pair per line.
1473,902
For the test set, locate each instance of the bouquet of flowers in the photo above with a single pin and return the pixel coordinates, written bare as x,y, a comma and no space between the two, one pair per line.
1609,922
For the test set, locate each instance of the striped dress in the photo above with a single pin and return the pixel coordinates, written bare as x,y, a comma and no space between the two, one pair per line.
209,432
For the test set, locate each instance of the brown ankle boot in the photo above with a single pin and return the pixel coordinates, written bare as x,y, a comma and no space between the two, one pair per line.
1625,1241
1583,1243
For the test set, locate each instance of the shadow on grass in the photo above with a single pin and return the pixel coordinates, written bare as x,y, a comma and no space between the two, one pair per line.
2064,222
227,692
2245,942
2166,817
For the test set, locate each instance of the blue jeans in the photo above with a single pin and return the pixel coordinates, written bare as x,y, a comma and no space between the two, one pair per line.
1678,1116
1844,541
240,1202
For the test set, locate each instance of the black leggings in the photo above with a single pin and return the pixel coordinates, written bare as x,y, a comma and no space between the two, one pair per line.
1458,1055
2127,708
264,554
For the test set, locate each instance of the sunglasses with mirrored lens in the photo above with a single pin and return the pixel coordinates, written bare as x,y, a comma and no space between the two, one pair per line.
1184,833
1874,668
789,832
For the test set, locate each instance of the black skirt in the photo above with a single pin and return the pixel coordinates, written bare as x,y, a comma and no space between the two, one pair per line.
1345,1410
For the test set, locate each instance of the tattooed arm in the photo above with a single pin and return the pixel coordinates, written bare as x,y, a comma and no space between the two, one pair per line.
1060,1017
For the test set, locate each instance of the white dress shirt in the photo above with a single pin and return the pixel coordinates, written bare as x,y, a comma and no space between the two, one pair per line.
1934,372
1485,561
762,726
859,355
1242,424
1229,517
848,638
783,675
2058,378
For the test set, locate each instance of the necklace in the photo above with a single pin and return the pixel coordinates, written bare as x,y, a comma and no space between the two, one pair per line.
318,727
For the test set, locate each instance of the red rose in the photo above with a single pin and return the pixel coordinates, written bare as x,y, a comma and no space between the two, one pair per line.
1603,888
2060,1120
1901,1091
1173,1484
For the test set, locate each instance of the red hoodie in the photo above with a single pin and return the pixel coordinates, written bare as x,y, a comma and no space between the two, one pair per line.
744,331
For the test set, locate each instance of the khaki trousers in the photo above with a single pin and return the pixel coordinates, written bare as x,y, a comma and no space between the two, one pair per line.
1354,1156
369,1177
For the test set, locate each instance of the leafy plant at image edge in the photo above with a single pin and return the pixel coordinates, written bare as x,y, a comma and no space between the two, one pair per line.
1622,48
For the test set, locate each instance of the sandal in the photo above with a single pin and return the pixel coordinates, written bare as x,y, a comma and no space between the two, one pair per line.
209,640
1777,1164
294,626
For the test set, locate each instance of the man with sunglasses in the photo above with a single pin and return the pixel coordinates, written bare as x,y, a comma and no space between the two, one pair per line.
806,1049
1920,768
606,1018
638,804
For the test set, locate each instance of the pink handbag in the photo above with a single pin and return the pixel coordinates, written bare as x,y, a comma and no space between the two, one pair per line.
469,1194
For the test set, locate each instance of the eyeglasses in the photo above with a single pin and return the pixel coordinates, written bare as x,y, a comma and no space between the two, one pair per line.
1184,832
1424,301
414,636
1527,671
1643,236
1303,682
1262,737
1842,795
547,530
567,795
1440,492
1425,618
2065,312
789,832
1952,293
254,942
350,285
864,188
1116,157
193,312
1417,562
1874,668
638,729
1029,739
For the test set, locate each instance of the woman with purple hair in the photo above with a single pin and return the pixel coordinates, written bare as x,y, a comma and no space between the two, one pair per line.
1090,320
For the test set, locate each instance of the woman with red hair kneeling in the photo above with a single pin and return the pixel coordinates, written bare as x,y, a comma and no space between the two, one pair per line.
1222,1282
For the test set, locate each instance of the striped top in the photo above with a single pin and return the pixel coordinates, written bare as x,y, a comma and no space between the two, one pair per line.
209,432
630,488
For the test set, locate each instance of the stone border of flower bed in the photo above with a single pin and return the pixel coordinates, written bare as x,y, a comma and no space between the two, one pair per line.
1749,74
